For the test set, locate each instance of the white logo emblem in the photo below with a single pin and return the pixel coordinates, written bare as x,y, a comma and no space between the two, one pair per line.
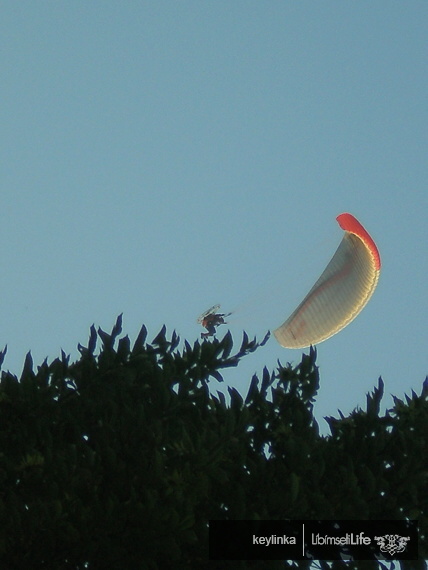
392,543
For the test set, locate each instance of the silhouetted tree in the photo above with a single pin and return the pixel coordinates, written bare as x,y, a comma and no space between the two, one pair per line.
119,460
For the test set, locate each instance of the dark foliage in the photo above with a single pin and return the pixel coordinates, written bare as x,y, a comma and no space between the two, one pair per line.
119,459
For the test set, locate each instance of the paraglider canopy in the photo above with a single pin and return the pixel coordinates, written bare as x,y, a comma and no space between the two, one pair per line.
341,292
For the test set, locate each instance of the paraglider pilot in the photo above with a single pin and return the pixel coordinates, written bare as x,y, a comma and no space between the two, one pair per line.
210,322
212,319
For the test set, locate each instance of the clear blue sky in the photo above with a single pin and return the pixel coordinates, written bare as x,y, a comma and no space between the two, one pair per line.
160,157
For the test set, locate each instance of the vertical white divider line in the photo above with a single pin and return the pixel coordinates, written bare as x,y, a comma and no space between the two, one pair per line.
303,546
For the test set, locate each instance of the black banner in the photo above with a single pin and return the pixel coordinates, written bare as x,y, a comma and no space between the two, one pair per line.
313,540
